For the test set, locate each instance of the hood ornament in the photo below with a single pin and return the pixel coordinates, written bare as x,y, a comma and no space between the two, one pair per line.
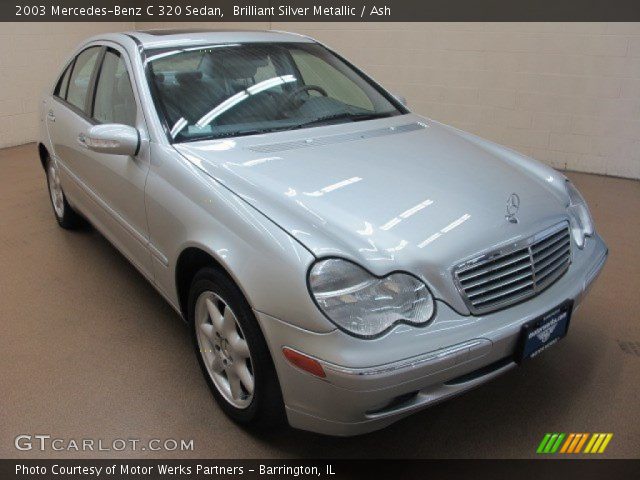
513,205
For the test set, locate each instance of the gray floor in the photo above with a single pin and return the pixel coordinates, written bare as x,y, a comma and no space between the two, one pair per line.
89,350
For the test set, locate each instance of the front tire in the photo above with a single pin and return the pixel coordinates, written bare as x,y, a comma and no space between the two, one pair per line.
65,215
232,352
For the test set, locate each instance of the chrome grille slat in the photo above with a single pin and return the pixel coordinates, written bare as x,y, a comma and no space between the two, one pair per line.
497,276
504,283
549,268
547,280
494,267
548,241
513,274
549,249
514,288
550,259
505,294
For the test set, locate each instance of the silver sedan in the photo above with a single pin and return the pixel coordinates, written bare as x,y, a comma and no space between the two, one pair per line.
341,261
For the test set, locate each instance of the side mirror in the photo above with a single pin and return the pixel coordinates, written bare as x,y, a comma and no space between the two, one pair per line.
113,138
401,99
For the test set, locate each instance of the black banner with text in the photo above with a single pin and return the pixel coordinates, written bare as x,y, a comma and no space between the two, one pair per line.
318,10
306,469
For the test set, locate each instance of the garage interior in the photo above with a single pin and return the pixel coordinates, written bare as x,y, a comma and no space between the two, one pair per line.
90,350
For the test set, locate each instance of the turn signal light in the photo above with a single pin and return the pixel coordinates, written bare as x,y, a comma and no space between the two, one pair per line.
303,362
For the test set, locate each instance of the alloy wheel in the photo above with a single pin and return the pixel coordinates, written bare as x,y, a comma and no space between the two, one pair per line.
55,190
224,349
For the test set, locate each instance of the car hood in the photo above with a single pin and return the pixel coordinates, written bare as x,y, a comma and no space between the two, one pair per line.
402,193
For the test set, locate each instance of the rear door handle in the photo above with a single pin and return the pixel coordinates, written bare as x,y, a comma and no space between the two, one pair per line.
51,116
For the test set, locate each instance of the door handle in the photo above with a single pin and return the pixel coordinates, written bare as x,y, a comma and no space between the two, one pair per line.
51,116
82,139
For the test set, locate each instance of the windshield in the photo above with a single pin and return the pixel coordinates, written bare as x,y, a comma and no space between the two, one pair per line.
242,89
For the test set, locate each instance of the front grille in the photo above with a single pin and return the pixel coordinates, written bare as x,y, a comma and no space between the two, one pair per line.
522,270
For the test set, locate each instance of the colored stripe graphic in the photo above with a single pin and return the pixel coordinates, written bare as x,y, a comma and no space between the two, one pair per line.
567,443
543,443
572,443
577,438
550,443
596,445
598,442
593,439
581,442
555,447
606,441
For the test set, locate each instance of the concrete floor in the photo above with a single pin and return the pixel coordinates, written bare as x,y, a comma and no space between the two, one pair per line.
88,349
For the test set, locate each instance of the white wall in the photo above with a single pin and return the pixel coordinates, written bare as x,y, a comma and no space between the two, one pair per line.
566,93
30,57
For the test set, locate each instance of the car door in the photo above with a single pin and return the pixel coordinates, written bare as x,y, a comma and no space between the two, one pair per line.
67,120
111,186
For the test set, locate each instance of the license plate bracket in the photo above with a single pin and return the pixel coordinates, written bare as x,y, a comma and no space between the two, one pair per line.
539,334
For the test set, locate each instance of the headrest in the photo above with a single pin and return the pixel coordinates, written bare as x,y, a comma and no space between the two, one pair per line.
240,65
188,77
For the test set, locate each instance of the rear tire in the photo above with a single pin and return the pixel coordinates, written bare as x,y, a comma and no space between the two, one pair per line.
232,351
65,215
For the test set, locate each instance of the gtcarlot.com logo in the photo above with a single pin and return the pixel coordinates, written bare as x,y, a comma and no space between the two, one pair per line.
574,443
49,443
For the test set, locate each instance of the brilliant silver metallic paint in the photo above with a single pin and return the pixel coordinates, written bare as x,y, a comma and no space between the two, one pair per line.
113,139
417,199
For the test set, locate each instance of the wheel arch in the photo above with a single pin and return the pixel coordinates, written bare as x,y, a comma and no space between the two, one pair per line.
190,261
43,153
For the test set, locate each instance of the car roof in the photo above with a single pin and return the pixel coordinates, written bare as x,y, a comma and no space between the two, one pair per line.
175,38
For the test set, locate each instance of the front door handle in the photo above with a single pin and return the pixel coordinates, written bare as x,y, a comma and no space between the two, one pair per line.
51,116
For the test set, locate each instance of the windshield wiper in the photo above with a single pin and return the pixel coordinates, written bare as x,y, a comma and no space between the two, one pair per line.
235,133
355,117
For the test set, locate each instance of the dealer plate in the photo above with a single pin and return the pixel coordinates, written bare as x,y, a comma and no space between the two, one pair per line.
543,332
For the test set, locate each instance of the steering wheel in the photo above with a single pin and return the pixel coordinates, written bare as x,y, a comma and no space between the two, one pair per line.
291,96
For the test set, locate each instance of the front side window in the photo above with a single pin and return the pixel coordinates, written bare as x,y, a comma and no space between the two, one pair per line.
81,77
114,101
241,89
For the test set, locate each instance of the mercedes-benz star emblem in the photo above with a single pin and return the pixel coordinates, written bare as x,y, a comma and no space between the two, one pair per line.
513,205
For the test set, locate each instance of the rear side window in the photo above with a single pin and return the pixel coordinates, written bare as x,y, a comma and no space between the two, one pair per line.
114,100
81,77
63,83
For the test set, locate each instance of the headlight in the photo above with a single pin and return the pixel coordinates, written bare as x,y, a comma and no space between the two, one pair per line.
581,222
365,305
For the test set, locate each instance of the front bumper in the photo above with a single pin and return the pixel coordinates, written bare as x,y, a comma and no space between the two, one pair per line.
370,384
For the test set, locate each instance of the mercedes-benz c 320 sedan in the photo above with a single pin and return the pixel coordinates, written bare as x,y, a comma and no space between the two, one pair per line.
341,261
